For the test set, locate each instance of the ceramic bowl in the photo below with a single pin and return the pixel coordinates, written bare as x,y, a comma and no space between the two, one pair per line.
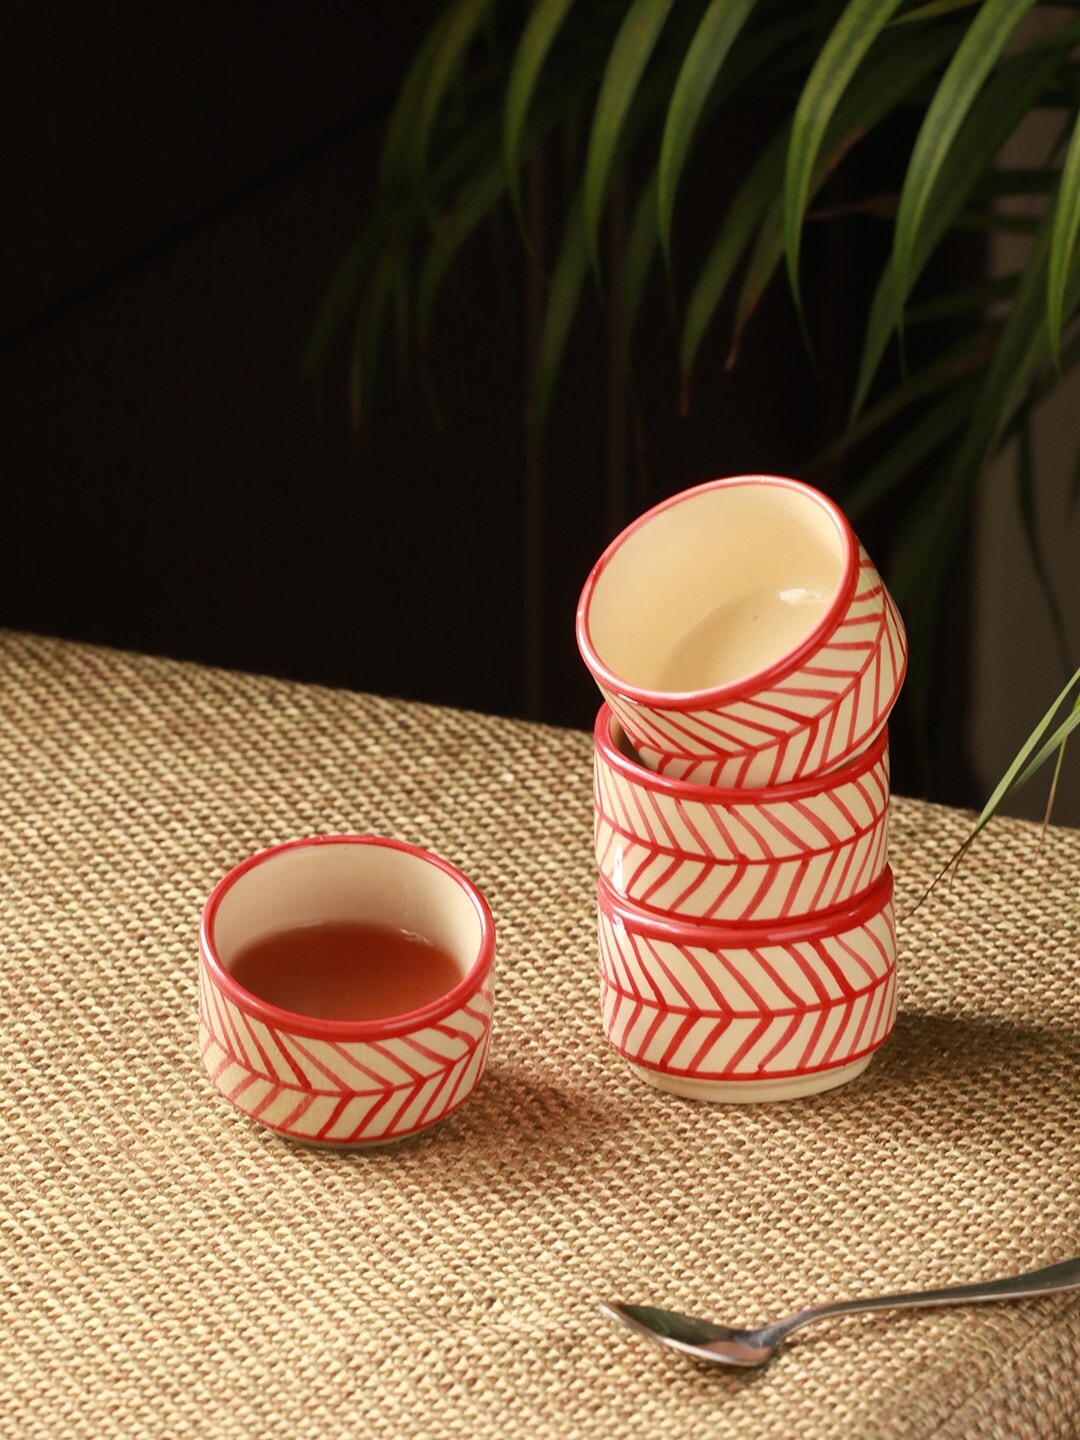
742,636
698,852
345,1082
748,1012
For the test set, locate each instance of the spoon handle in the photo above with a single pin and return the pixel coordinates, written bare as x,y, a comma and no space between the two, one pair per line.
1063,1276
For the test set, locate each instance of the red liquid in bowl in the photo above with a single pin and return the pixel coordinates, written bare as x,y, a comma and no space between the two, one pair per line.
346,970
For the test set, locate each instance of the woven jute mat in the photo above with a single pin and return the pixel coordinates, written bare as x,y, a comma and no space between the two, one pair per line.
169,1269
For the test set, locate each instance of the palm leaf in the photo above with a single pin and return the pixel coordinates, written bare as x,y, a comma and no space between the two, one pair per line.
770,47
475,201
471,148
561,310
484,189
1024,343
630,52
462,21
1025,501
769,50
398,144
371,319
565,292
1006,100
1054,742
883,83
840,57
1020,771
736,232
1048,380
764,259
1063,244
708,50
918,441
976,56
1054,783
928,539
931,527
934,10
397,216
1028,759
344,289
945,372
541,30
641,243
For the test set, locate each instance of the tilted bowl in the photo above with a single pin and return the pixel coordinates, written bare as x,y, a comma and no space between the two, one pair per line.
741,634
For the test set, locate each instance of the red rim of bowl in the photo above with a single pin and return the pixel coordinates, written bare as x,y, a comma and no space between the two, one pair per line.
716,935
647,779
732,689
312,1025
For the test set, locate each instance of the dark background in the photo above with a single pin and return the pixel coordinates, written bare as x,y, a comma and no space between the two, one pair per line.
177,188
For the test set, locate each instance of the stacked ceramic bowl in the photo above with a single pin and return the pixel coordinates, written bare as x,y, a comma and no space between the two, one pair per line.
749,655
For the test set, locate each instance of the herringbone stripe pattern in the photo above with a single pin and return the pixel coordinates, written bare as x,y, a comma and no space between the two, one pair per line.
741,857
342,1093
746,1011
808,722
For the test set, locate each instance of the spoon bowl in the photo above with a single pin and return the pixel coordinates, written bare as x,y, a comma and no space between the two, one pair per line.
735,1348
699,1339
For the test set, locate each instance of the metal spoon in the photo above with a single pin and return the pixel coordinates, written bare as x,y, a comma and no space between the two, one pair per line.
722,1345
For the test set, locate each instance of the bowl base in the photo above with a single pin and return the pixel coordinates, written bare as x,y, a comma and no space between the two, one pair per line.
352,1146
752,1092
387,1142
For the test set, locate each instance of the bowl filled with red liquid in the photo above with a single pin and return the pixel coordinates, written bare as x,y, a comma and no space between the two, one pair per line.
346,989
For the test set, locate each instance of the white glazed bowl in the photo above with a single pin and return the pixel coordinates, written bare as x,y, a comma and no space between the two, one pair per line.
742,636
698,852
770,1011
345,1082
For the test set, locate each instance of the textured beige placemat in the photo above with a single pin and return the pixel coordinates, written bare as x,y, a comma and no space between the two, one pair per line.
168,1269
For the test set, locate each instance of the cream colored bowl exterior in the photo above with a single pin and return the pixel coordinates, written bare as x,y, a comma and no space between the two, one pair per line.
344,1082
699,853
717,1013
342,1092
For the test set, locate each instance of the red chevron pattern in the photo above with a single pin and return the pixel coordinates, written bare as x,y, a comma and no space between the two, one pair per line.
808,722
343,1093
706,854
700,1006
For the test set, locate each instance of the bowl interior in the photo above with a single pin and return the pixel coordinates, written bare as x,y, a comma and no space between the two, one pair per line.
717,586
313,884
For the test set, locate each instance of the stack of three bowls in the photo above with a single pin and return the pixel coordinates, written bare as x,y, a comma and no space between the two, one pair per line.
749,656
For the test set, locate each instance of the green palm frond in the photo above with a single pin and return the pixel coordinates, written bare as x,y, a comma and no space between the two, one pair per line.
842,53
567,281
743,219
1000,109
715,35
641,245
646,84
1063,246
537,38
994,23
630,53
